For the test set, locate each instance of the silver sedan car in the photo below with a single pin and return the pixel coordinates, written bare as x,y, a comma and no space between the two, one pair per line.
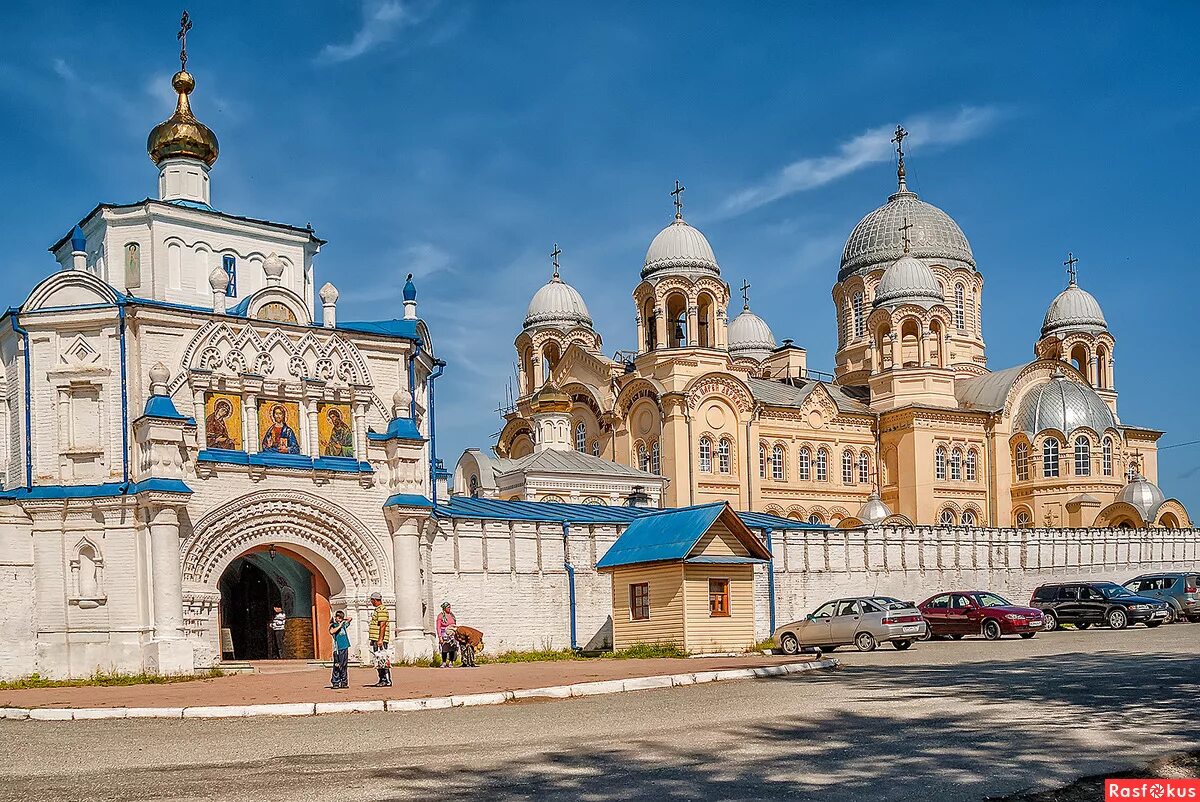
865,621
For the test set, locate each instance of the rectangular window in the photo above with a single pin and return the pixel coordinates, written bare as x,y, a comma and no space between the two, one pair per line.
230,264
718,598
639,602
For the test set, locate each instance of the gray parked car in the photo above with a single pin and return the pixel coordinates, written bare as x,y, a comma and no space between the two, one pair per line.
865,621
1180,590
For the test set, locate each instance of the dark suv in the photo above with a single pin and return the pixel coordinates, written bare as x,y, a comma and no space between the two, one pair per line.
1181,590
1087,603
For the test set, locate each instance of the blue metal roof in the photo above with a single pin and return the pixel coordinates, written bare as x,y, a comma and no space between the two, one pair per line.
389,328
398,429
407,500
161,406
665,535
106,490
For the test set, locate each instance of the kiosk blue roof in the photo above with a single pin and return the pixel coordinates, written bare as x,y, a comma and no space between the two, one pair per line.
672,534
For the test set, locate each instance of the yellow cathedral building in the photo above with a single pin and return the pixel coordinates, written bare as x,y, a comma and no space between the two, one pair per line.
912,428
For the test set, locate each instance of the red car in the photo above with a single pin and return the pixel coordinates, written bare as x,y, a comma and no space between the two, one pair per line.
978,612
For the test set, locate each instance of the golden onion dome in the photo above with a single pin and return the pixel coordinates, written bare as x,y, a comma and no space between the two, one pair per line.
181,135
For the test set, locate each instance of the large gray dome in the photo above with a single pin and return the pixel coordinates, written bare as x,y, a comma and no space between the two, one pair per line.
877,239
679,248
749,335
874,511
1062,404
908,281
1074,309
559,304
1142,494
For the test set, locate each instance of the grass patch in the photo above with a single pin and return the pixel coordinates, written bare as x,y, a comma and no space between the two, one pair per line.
763,646
106,679
642,651
534,656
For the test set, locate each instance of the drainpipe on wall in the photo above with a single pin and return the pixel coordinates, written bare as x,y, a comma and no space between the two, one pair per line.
438,367
16,327
771,578
566,527
124,400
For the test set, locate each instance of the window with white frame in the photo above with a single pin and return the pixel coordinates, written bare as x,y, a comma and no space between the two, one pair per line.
1083,456
1022,462
1050,458
655,458
972,464
581,437
860,324
805,464
1023,519
939,463
777,459
847,467
959,307
864,468
643,457
822,465
1106,456
724,455
762,460
956,460
946,518
968,518
705,455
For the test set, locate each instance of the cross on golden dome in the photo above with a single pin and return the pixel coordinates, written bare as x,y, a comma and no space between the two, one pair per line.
181,135
185,25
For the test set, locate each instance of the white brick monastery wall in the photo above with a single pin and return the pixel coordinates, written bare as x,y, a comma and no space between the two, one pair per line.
508,579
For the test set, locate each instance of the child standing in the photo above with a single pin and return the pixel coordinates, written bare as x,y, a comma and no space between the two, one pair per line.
339,628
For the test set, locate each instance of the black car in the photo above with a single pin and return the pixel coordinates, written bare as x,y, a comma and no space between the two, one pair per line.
1087,603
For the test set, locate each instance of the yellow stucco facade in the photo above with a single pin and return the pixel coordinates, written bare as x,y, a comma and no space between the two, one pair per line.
912,409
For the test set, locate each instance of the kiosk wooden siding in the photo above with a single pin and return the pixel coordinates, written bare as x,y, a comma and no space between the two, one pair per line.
678,555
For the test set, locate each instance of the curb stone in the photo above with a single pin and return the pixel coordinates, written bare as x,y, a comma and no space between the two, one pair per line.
581,689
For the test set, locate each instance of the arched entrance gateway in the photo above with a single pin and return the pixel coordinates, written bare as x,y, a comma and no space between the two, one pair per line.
281,547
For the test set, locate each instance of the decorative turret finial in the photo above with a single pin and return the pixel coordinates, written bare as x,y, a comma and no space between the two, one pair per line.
1072,273
678,196
554,254
185,25
745,295
904,230
899,140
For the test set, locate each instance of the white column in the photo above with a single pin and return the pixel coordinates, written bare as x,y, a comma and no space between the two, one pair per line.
167,579
409,637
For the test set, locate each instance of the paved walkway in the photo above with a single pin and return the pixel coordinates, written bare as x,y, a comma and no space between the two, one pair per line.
299,681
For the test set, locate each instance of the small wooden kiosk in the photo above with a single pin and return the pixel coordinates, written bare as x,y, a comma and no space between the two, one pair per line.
685,577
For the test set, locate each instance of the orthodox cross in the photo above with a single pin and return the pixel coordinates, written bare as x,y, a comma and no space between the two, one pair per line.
678,195
899,140
745,294
554,254
185,25
1135,464
904,233
1070,263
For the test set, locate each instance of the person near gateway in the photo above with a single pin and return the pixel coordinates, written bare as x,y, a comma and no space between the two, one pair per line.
339,628
446,625
275,634
377,631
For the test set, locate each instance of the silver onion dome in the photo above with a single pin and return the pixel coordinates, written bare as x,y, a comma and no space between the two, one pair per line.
557,304
1074,309
908,280
750,336
877,238
680,249
1062,404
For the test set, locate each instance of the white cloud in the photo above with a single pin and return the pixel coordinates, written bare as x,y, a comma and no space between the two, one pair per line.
382,20
869,147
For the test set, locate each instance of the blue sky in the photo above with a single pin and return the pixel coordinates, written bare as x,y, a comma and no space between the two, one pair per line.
459,141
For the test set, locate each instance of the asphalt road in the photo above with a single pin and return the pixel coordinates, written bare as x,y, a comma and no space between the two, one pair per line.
942,721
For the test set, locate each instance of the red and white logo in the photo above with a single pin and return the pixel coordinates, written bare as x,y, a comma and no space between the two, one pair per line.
1151,789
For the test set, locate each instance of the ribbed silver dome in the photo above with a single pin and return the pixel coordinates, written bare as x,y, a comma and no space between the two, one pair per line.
750,336
1062,404
874,510
1144,495
1075,309
877,239
908,281
559,304
679,248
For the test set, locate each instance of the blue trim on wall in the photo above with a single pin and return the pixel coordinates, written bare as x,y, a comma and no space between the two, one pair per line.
408,500
106,490
268,459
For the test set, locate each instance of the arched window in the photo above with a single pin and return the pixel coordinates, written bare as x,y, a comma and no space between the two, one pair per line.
822,464
1023,519
1083,456
595,448
1022,462
847,467
724,455
1050,458
643,457
651,324
1106,456
968,518
815,519
946,518
655,460
864,468
959,307
805,464
972,460
705,455
860,324
762,461
777,458
581,437
956,460
939,463
474,486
